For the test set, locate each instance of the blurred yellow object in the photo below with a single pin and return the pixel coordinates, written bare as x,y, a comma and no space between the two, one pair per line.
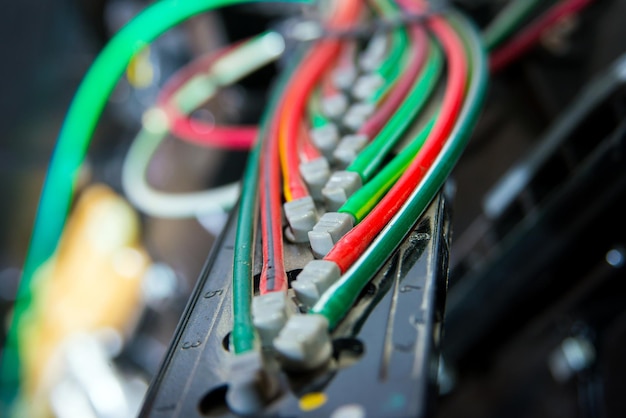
93,283
140,71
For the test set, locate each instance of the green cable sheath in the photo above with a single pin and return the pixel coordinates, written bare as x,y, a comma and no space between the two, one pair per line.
507,21
243,336
338,300
371,157
389,70
364,199
73,140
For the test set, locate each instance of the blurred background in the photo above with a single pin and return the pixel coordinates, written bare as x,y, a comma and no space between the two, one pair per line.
537,262
123,301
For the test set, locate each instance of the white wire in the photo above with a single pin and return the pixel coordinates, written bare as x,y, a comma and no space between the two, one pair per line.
167,205
226,70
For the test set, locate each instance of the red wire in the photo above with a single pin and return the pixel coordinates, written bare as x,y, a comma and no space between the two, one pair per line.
307,76
196,131
328,86
353,244
271,217
288,117
525,40
396,96
208,134
308,150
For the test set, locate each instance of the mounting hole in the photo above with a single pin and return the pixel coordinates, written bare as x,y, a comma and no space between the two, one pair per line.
347,351
213,403
226,342
292,275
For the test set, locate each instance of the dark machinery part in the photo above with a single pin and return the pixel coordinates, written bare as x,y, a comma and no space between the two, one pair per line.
545,272
385,352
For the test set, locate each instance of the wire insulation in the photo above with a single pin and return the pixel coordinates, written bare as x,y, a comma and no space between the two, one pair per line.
390,68
273,275
338,299
305,79
507,21
367,163
76,132
194,131
419,47
246,57
366,198
531,35
347,250
167,205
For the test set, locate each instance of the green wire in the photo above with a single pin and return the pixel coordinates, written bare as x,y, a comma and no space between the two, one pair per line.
364,199
369,160
74,138
338,300
507,21
243,336
389,70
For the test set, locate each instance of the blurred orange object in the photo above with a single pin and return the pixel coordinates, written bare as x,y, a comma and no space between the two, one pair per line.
92,283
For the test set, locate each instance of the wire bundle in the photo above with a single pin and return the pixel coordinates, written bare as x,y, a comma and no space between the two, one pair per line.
395,127
394,192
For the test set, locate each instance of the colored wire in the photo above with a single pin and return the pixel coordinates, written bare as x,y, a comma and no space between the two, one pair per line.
391,66
507,21
526,39
283,151
316,116
419,46
74,139
306,77
194,131
231,64
365,199
273,275
308,150
243,336
260,50
337,300
317,119
371,157
347,250
160,204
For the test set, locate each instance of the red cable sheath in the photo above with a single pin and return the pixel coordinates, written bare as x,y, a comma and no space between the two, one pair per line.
398,93
195,131
308,150
288,119
208,134
327,85
526,39
349,248
271,216
306,77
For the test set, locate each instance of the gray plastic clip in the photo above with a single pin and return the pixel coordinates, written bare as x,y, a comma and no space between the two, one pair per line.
340,187
331,227
301,216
